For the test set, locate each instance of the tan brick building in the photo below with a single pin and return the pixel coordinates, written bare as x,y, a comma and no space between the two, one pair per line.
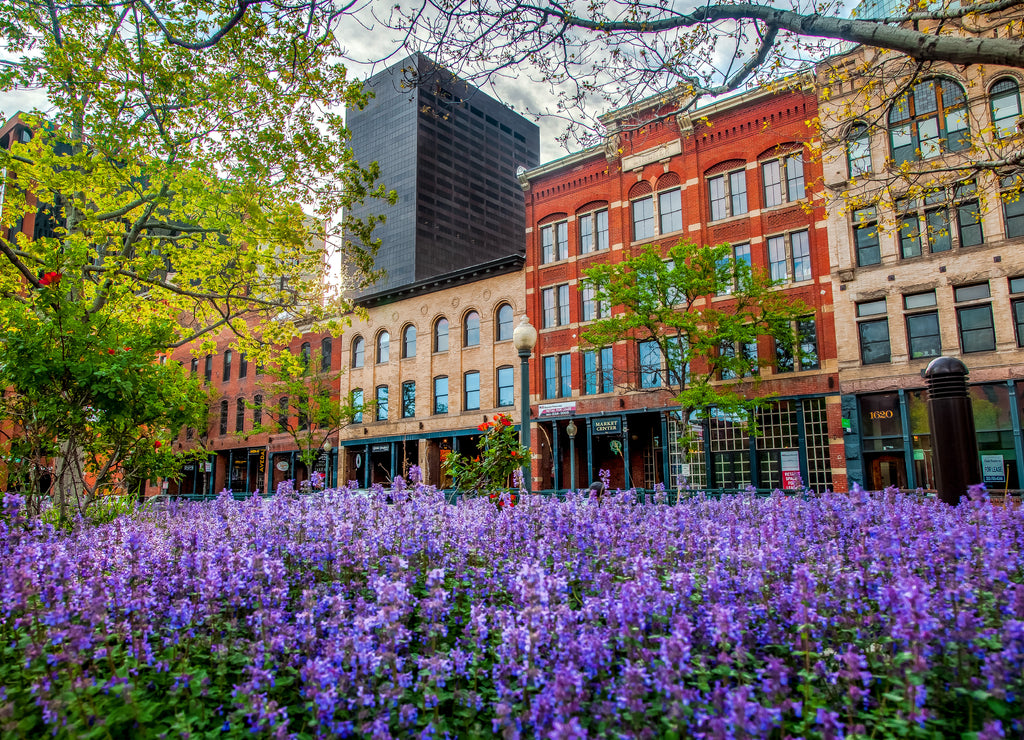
436,359
926,254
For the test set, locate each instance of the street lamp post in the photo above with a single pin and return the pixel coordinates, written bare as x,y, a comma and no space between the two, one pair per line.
571,431
524,338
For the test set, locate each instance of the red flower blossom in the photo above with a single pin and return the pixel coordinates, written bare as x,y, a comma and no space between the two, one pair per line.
505,421
110,351
158,444
484,427
50,278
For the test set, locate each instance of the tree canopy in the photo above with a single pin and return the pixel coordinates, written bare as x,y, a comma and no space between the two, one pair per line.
187,175
600,56
686,341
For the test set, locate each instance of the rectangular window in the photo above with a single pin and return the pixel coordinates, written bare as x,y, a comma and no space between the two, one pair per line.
240,415
208,368
557,376
789,257
471,388
556,306
968,214
554,240
1013,205
670,211
865,237
223,417
597,371
771,174
243,366
910,230
593,308
643,218
807,343
974,321
874,334
783,180
506,386
923,338
727,194
382,403
357,406
441,395
226,374
408,399
748,355
650,364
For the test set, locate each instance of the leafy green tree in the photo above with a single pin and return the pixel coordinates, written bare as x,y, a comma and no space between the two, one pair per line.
686,341
87,410
188,175
302,404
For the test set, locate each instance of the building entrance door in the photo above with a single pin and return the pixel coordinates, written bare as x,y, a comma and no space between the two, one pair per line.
887,470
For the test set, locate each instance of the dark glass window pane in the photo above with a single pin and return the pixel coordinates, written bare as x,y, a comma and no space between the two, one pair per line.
923,335
977,333
874,341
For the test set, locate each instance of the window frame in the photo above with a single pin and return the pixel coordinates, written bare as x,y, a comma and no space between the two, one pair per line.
648,218
239,415
1011,196
785,165
967,304
438,336
358,400
1016,288
790,260
501,335
555,312
731,200
380,396
675,211
649,374
557,375
223,426
557,249
408,400
436,396
500,388
1008,93
862,220
932,143
598,371
868,311
358,352
326,354
594,218
859,136
226,366
382,344
471,395
471,329
409,342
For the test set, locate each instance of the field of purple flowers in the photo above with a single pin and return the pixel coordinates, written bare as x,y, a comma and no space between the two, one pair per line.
338,614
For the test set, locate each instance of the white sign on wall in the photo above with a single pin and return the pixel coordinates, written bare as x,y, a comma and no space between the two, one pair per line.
992,470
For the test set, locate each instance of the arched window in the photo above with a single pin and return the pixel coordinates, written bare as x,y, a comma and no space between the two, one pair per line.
408,342
441,335
326,348
858,149
240,415
226,375
257,410
471,329
383,347
224,417
304,352
1005,101
928,120
358,352
505,323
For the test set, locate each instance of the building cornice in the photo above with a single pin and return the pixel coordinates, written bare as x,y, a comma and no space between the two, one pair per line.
500,266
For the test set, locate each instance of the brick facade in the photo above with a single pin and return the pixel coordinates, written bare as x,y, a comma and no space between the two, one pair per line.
652,150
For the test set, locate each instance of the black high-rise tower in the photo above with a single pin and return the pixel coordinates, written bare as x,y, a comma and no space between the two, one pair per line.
451,152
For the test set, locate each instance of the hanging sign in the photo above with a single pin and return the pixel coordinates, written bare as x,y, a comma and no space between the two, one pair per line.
282,465
606,425
556,409
380,448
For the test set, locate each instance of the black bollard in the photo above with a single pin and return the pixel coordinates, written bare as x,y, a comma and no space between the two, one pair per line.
954,443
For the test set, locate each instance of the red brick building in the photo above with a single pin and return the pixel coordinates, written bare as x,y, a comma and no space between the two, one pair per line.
739,172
